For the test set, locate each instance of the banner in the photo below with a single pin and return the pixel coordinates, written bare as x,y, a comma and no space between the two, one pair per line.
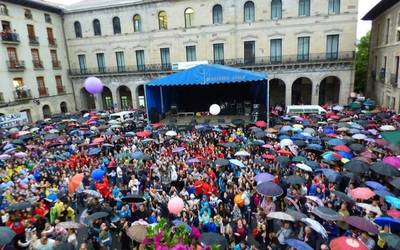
14,120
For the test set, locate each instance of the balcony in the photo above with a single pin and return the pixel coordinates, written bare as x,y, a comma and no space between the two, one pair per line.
56,64
22,94
10,38
43,91
61,89
52,42
309,60
16,66
37,65
33,40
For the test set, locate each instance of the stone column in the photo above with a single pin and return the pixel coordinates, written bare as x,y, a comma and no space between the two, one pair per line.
315,90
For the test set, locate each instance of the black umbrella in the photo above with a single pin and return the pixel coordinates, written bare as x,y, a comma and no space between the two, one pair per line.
260,161
19,206
26,137
356,147
342,196
384,169
97,215
326,213
51,136
296,214
7,235
283,160
133,198
229,145
269,189
299,143
18,142
237,122
221,162
295,179
212,239
356,166
395,183
259,134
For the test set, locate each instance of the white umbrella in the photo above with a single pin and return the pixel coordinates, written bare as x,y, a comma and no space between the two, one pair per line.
370,207
304,167
316,226
338,108
242,153
280,216
387,128
237,163
171,133
359,136
286,143
113,122
315,199
34,130
54,131
93,128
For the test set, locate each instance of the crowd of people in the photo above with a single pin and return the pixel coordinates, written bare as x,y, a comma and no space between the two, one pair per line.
310,182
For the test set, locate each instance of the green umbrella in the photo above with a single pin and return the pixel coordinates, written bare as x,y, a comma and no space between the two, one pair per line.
393,137
299,159
7,235
17,142
295,179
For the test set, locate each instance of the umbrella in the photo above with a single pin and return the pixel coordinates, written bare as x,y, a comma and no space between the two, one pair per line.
280,216
316,226
356,166
98,140
375,185
171,133
221,162
179,223
242,153
69,224
97,215
347,243
387,128
261,124
315,199
133,198
94,151
237,163
370,207
356,147
329,173
283,160
52,197
343,196
296,214
295,179
5,157
178,149
384,169
20,155
193,160
298,245
335,142
259,134
285,143
7,235
326,213
362,224
342,148
214,239
19,206
383,193
359,136
269,189
304,167
137,232
362,193
331,156
263,177
92,193
395,202
51,136
392,161
137,155
392,240
392,222
299,159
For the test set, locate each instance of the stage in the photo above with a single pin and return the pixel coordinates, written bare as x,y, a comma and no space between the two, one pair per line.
213,120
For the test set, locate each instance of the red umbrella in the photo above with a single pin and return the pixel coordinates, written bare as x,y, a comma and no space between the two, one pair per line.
347,243
394,213
332,135
284,152
156,125
143,133
74,183
98,140
261,124
362,193
268,157
343,148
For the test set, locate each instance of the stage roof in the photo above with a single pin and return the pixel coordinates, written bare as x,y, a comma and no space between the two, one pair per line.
206,74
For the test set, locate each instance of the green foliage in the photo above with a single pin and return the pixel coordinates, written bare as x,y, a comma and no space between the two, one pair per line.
362,57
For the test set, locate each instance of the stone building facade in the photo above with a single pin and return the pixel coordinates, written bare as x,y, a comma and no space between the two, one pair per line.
305,46
34,63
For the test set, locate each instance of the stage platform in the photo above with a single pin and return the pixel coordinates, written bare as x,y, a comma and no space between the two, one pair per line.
185,119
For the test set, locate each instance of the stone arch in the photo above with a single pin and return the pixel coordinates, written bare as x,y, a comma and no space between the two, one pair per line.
87,100
106,96
63,107
125,97
277,92
302,91
46,111
329,90
141,99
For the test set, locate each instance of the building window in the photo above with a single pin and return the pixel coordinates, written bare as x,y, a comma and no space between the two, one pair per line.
41,86
189,16
190,53
28,14
47,18
396,70
82,63
249,15
31,34
218,51
387,30
50,37
276,9
383,70
162,20
304,7
137,23
303,48
378,34
12,57
59,85
249,52
101,62
54,58
332,46
116,25
119,55
334,7
217,14
3,10
165,59
96,27
276,50
78,29
37,64
140,62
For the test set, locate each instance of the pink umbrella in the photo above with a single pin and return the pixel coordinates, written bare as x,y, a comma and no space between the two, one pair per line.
98,140
20,155
368,154
48,127
393,161
381,142
261,124
362,193
394,213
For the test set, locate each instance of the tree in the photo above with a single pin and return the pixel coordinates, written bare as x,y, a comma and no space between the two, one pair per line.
362,57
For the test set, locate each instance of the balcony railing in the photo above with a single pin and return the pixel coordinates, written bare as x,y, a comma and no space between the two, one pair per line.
34,40
9,37
56,64
37,64
238,62
61,89
22,94
52,42
16,66
43,91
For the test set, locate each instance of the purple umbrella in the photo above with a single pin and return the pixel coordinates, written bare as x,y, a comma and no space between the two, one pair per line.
362,224
269,189
193,160
178,149
8,146
20,155
393,161
263,177
5,157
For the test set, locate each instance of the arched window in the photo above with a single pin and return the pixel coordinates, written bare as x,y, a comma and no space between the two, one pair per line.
137,23
116,25
96,27
276,9
189,16
78,29
304,7
217,14
3,9
249,12
162,20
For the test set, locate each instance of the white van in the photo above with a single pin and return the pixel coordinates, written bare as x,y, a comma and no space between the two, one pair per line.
305,109
123,116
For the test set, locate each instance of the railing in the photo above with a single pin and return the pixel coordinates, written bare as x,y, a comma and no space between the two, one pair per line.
9,37
43,91
61,89
37,64
16,65
238,62
393,80
47,18
52,42
2,98
22,94
34,40
4,11
56,64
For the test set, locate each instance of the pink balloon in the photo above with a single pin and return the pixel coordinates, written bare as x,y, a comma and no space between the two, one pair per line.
175,205
93,85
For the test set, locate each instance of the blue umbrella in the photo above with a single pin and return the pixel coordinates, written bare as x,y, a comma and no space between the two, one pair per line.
130,134
237,163
137,155
375,185
263,177
298,136
395,202
193,160
94,151
314,146
312,164
298,245
269,189
330,156
98,174
383,193
347,155
281,137
328,130
52,197
329,173
335,142
393,223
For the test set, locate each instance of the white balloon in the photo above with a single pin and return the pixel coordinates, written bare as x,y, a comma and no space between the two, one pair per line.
215,109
